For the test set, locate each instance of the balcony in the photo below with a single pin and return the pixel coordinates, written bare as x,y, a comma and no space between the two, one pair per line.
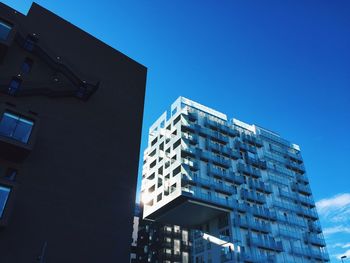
299,168
190,151
308,213
306,201
190,164
251,224
190,139
246,257
242,207
256,163
212,184
253,197
302,178
263,213
221,161
296,157
317,254
215,136
320,255
267,242
260,186
303,189
314,240
252,140
315,228
245,147
247,170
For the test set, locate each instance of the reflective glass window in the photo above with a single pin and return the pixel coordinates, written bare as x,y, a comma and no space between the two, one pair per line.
4,194
5,30
16,127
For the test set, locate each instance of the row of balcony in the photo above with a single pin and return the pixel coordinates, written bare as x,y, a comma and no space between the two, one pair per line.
303,189
256,162
253,197
314,240
260,212
294,156
247,257
220,187
248,223
299,168
245,147
245,169
221,127
316,254
266,242
224,174
260,186
296,197
224,150
252,140
207,197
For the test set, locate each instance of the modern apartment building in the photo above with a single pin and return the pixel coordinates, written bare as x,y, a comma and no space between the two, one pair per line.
70,124
162,243
242,188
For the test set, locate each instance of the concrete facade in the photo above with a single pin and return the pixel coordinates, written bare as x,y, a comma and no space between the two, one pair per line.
72,199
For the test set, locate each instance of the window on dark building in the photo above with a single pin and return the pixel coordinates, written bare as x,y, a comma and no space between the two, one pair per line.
16,127
15,85
5,30
27,65
4,194
11,174
30,42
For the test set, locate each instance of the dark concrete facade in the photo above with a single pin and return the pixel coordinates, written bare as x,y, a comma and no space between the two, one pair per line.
74,193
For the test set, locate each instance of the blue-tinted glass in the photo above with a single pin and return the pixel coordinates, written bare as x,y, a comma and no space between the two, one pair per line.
27,65
23,130
4,194
4,30
16,127
8,124
14,86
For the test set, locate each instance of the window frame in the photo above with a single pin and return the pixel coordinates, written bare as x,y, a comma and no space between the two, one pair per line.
8,207
9,26
20,119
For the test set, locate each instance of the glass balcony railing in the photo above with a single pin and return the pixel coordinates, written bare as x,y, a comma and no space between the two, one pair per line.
263,213
256,162
253,197
295,166
260,186
210,183
304,189
315,227
248,170
251,224
317,254
314,240
245,147
210,198
302,178
252,140
266,242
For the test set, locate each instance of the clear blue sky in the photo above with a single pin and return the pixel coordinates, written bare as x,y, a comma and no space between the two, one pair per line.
284,65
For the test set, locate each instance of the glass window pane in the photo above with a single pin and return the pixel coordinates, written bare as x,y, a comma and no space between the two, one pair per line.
23,130
8,124
5,30
16,127
4,194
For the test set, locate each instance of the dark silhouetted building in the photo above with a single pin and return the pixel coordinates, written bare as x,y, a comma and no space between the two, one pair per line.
160,243
70,124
